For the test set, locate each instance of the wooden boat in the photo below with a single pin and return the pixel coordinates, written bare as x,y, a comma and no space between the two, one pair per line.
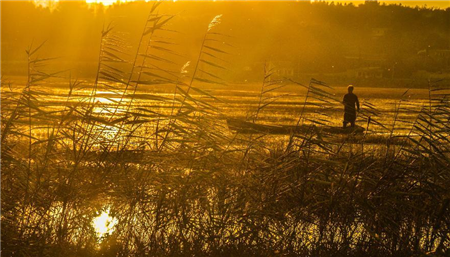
246,127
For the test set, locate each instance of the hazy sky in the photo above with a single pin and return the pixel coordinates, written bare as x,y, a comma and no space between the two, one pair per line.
433,3
439,4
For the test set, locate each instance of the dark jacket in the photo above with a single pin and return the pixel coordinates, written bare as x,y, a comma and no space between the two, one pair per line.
350,100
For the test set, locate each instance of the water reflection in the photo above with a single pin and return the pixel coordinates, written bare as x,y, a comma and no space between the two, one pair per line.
104,223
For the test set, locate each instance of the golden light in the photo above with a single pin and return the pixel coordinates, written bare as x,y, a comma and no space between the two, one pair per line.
108,97
104,223
51,4
104,2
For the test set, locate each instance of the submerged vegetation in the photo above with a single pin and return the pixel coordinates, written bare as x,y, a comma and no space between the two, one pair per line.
177,181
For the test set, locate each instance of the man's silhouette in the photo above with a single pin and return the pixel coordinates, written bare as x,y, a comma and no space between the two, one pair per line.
350,100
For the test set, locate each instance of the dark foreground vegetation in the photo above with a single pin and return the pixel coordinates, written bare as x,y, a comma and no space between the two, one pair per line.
181,184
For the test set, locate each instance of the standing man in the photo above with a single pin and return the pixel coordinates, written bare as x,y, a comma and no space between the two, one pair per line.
350,100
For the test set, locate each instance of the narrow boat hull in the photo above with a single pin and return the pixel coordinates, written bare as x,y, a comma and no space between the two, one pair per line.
246,127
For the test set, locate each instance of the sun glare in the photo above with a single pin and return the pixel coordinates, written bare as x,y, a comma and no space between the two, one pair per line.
104,2
104,223
51,4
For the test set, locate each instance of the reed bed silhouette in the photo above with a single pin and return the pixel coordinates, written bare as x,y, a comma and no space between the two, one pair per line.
180,183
